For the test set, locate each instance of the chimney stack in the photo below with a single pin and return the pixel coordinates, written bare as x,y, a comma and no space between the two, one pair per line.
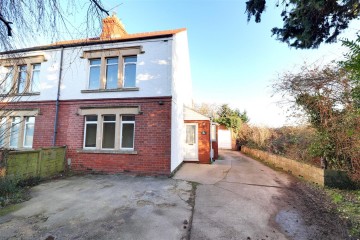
112,28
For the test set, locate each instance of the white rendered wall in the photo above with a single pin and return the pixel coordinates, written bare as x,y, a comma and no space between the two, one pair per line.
181,90
152,70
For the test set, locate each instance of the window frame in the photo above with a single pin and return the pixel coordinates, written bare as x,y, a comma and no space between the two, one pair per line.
92,66
15,64
25,124
20,73
106,71
102,131
124,68
122,122
105,54
12,118
85,127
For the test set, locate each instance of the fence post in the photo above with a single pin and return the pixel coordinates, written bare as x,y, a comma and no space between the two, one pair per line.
38,168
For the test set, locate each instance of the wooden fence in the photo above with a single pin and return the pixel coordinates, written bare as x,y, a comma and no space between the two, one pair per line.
45,162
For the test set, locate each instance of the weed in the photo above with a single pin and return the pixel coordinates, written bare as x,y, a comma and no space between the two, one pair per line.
348,206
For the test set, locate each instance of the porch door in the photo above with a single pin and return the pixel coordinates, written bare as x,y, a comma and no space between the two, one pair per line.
191,142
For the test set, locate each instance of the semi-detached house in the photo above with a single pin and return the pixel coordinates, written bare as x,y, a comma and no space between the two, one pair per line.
116,101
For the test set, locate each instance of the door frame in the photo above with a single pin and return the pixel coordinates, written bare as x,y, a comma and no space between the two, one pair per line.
196,143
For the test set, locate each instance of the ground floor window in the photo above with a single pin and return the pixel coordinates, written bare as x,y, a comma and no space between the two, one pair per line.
117,132
16,131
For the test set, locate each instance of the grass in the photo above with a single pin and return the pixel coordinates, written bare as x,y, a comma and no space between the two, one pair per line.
347,203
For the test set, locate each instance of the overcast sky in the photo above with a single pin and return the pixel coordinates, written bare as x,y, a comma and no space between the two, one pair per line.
232,61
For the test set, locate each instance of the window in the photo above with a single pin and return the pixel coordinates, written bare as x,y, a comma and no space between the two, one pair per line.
90,131
94,76
112,73
127,132
2,131
22,77
29,131
112,69
108,137
190,134
35,78
17,128
6,80
117,132
14,132
130,71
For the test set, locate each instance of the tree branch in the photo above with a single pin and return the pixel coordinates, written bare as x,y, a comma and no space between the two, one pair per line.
100,7
7,24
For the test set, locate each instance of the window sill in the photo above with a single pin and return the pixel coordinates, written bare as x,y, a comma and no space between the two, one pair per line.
110,90
106,151
20,94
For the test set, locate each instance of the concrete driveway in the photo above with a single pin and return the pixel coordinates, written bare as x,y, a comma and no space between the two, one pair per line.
240,198
103,207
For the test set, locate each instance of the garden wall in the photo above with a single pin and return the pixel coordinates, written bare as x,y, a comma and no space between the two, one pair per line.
45,162
308,172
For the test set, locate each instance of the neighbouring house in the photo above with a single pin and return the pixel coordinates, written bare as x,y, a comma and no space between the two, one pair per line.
118,101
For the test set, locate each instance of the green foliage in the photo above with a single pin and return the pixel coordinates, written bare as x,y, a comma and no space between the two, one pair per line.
231,118
308,23
352,65
347,203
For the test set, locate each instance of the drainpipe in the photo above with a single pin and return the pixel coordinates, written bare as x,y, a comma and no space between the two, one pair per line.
58,97
211,149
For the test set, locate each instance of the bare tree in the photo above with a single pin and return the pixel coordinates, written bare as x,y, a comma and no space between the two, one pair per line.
22,21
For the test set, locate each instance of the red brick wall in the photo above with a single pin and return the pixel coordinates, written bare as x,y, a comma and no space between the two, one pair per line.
203,140
152,136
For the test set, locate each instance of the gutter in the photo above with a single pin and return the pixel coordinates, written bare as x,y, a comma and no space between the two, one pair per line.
58,97
85,43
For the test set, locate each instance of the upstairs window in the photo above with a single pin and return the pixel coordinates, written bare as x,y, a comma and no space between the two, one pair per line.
112,66
130,71
22,77
35,78
6,79
111,69
94,75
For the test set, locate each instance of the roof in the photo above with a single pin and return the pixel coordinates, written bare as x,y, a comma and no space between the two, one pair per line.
190,114
98,40
126,37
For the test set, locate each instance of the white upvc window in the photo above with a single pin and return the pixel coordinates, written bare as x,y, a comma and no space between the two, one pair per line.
7,75
29,132
108,132
90,131
22,78
112,69
117,132
94,73
2,131
129,71
14,132
127,132
35,78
